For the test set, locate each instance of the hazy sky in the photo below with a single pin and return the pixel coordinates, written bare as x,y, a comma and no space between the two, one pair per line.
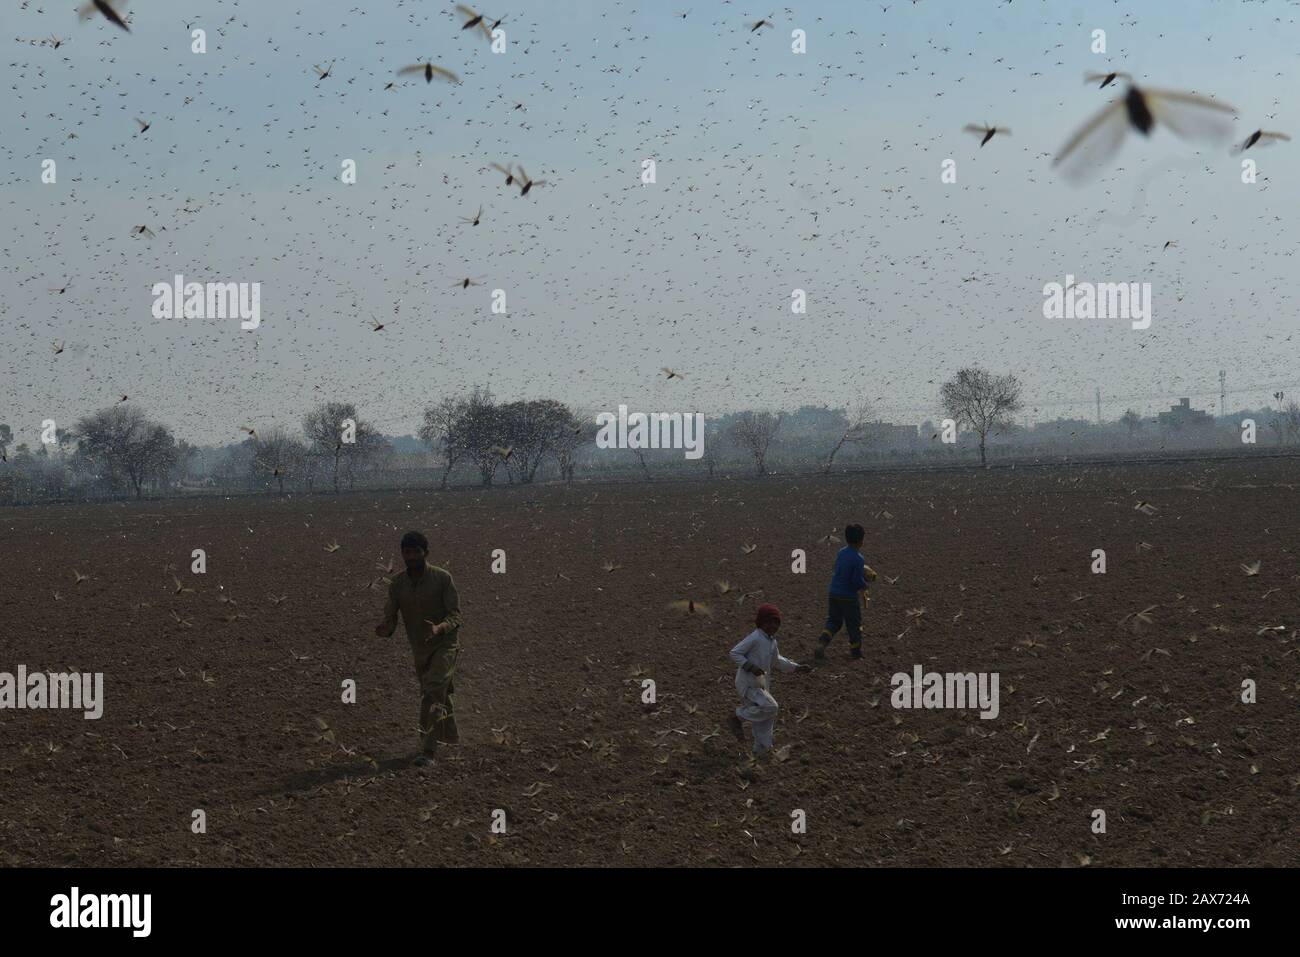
775,171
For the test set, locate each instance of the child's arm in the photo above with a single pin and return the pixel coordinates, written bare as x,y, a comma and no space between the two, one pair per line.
865,574
782,663
785,664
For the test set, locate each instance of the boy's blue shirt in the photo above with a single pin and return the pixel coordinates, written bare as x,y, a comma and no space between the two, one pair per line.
850,573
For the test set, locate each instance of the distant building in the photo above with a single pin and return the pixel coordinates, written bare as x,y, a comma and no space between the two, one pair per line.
1182,416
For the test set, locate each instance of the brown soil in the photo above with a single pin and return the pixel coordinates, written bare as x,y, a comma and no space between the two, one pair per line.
220,715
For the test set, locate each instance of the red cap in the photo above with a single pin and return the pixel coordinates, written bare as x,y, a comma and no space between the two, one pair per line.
767,613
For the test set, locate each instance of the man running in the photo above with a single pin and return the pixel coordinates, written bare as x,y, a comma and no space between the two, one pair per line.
426,597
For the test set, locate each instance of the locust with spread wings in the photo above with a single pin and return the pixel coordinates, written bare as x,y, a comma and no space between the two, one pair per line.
1190,116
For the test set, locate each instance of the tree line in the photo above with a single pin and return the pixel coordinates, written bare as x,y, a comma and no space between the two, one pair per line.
119,450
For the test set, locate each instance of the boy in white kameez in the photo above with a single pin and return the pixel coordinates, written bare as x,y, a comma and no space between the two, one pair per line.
755,656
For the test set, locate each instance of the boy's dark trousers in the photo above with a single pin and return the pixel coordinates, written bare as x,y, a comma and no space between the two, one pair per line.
844,610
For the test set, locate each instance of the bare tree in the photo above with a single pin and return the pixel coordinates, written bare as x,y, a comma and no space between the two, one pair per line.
982,402
53,475
474,429
31,476
1286,422
276,454
856,432
753,432
570,436
371,454
1276,421
126,446
235,468
531,431
481,432
338,435
441,432
1131,421
185,456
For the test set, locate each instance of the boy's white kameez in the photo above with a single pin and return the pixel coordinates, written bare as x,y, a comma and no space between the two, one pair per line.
758,707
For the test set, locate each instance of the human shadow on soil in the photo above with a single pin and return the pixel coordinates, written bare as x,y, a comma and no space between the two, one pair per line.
308,780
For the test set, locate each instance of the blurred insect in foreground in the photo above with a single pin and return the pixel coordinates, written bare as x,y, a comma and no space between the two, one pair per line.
510,176
104,7
429,71
1262,138
1106,78
1188,115
525,183
985,131
476,19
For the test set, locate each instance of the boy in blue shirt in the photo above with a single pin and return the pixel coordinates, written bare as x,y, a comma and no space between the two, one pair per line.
847,583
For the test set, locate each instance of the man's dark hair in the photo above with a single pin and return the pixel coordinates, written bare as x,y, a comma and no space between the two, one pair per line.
415,540
854,534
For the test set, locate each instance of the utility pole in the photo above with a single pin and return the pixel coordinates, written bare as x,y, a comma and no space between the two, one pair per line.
1099,405
1223,394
